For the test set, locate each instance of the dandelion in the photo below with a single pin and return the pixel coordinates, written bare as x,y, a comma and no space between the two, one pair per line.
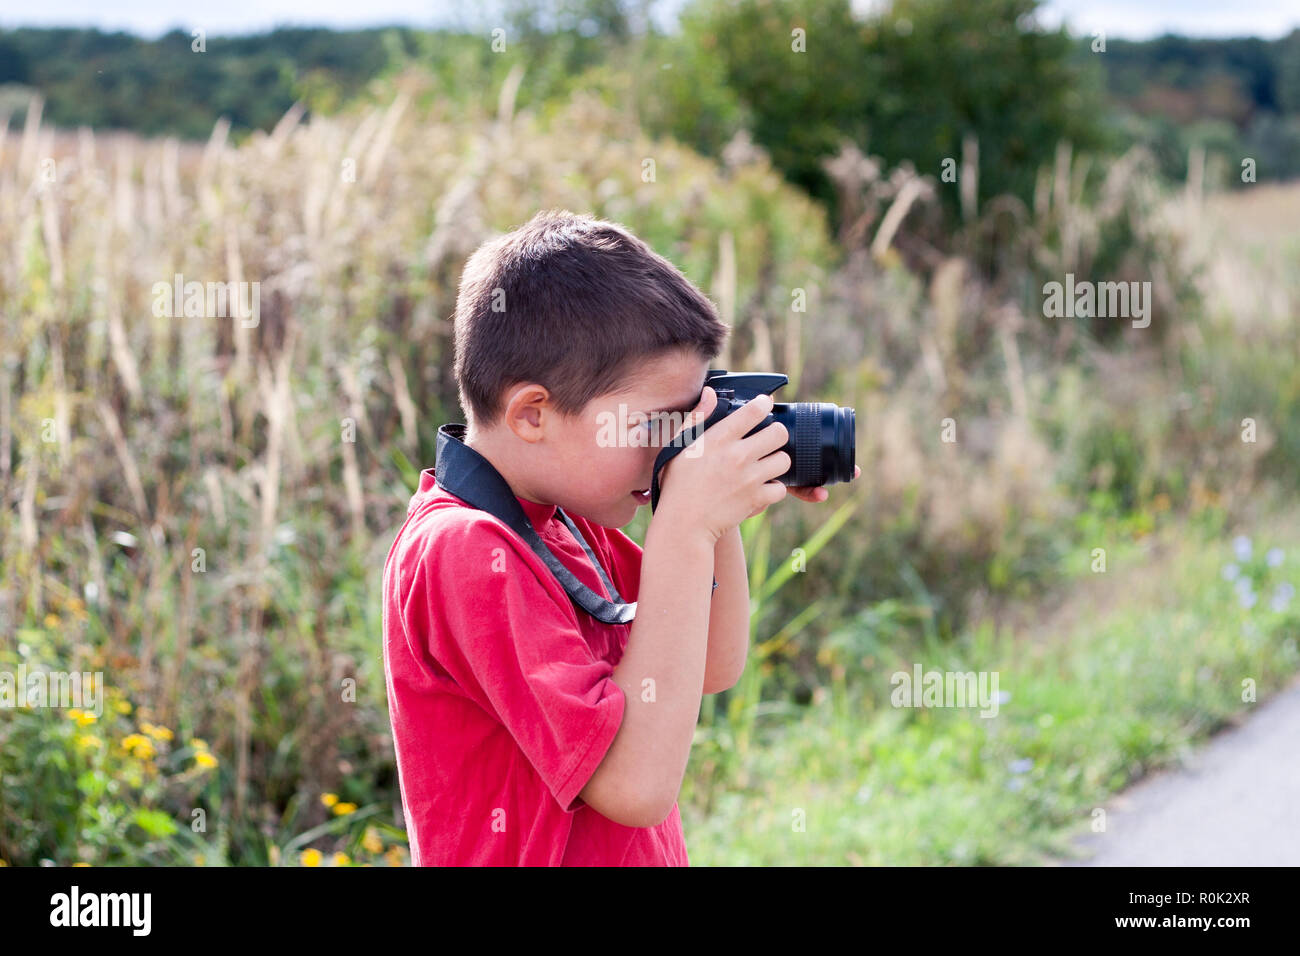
75,713
311,857
84,719
329,799
341,859
1241,547
343,809
205,760
1274,557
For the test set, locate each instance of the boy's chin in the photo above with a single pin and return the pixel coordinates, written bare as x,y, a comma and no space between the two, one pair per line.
613,515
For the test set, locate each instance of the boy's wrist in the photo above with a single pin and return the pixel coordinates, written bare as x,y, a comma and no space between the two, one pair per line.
683,535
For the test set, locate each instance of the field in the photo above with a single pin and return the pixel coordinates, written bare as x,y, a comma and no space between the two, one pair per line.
198,507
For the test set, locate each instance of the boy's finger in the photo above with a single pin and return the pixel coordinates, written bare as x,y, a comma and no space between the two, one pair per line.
702,410
746,418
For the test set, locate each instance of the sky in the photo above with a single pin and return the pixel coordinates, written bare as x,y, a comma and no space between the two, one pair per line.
1134,19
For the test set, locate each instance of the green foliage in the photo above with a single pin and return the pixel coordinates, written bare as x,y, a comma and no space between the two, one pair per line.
910,84
1088,708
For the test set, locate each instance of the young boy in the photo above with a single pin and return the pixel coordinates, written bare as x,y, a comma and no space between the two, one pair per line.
527,731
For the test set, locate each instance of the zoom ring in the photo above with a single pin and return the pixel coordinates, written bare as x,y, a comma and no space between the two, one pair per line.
807,445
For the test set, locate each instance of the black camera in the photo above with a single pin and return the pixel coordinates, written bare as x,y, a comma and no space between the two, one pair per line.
821,442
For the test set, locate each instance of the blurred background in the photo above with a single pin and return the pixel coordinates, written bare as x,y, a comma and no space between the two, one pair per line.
875,196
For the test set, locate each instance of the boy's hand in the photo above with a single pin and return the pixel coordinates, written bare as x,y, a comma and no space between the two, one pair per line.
818,492
728,477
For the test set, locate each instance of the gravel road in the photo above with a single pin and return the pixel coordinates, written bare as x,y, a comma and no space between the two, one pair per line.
1236,803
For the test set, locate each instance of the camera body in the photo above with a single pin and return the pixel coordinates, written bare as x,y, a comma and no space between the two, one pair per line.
822,443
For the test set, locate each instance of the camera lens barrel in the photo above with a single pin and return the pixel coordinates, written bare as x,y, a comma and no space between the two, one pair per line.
821,442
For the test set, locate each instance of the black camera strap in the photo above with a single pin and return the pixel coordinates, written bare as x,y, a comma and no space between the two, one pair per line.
679,443
470,477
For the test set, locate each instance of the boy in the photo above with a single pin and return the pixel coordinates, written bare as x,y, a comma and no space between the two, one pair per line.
527,731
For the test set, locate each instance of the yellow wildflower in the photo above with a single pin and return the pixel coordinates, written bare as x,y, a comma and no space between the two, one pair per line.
311,857
371,841
79,863
51,621
88,740
205,759
341,859
74,713
329,799
122,706
198,743
140,746
343,809
85,719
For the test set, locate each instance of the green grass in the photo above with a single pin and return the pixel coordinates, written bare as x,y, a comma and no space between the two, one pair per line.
1092,707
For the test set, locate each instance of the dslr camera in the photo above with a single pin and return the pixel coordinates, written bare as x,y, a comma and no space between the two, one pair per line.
821,442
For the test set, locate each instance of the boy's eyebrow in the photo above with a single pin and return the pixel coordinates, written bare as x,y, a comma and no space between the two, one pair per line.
683,407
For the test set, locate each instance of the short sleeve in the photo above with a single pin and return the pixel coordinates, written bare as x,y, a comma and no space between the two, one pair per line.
512,642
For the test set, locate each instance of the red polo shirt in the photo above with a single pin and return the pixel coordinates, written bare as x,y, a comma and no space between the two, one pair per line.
500,694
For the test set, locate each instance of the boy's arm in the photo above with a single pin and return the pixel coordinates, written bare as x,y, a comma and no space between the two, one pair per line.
728,615
661,675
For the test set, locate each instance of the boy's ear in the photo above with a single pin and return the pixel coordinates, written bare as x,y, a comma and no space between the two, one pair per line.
528,406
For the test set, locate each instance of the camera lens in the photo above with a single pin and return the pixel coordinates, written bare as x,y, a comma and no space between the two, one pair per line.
822,442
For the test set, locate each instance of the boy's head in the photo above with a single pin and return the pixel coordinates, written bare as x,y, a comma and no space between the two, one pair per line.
571,334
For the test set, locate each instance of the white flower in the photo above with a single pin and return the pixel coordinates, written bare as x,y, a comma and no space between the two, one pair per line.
1230,572
1241,547
1274,557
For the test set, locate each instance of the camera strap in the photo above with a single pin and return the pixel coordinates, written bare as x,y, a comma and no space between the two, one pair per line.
470,477
680,442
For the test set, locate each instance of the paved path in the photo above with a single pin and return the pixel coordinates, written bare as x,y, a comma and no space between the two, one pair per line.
1236,803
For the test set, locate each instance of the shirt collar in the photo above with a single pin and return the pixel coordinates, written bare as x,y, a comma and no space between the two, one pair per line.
538,513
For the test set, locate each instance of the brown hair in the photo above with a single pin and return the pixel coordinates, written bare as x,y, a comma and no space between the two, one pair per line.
573,303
